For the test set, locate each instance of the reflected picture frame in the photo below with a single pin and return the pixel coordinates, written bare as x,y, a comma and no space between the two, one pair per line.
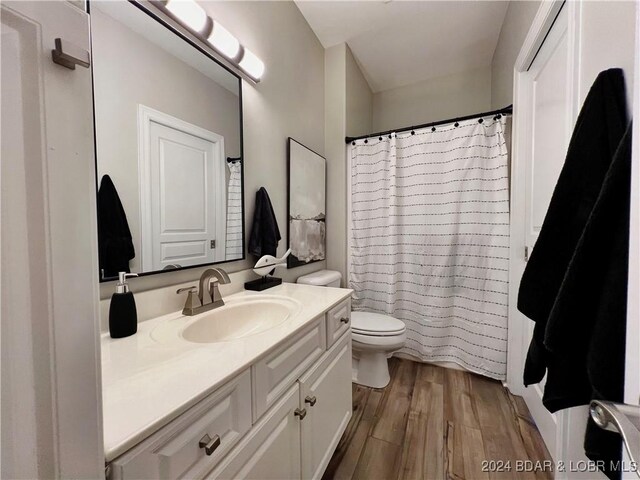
306,205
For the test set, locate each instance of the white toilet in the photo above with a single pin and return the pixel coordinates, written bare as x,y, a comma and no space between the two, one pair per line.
374,336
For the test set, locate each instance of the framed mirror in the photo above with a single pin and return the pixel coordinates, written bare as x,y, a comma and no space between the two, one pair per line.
168,128
306,232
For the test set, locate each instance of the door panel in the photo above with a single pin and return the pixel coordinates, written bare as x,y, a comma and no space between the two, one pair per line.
183,171
271,451
325,394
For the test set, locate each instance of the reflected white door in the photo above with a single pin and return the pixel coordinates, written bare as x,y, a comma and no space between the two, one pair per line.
182,195
545,116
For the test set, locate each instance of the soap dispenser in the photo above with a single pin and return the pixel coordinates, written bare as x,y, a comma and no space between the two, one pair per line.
123,316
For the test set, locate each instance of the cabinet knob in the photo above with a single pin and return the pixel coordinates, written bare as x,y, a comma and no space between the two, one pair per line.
344,319
209,444
310,400
300,412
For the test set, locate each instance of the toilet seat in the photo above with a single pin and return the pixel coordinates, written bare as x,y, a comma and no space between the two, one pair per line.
376,324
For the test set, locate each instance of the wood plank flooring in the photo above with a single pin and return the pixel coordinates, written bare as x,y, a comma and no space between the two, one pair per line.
435,423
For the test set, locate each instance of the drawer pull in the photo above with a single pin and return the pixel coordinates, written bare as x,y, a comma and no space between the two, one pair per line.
344,319
300,412
209,444
310,400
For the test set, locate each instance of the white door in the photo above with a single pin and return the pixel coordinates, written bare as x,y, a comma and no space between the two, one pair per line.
325,394
545,115
51,402
183,194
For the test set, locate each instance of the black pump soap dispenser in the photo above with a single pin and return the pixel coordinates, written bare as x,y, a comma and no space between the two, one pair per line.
123,316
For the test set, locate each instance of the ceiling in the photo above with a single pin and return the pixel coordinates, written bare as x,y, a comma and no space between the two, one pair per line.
398,43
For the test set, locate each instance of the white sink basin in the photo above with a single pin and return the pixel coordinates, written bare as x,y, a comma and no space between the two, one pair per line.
238,318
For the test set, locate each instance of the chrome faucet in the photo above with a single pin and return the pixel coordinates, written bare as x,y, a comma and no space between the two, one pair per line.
207,296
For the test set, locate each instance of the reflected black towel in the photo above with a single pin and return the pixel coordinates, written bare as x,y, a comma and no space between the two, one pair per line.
265,234
599,129
586,330
115,246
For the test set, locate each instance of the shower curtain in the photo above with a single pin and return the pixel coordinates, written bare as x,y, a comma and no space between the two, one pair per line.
233,244
429,239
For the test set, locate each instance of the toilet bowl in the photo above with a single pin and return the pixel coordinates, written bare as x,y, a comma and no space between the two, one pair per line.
374,336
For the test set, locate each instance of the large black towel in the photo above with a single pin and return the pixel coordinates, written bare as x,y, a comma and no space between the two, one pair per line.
265,233
586,330
599,129
115,246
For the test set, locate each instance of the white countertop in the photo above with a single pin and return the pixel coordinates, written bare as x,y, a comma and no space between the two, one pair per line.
147,383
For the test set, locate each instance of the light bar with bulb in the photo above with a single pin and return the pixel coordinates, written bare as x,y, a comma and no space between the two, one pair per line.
195,18
189,13
251,64
222,40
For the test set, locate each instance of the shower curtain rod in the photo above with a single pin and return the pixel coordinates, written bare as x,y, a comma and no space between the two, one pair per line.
503,111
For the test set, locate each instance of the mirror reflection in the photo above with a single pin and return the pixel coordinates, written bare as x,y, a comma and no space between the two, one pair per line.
168,147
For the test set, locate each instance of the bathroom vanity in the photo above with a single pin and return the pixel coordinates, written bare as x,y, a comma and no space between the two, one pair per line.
260,390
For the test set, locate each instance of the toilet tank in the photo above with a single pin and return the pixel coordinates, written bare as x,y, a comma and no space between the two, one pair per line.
323,278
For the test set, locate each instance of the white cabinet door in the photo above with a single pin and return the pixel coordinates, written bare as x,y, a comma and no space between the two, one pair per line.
325,395
272,449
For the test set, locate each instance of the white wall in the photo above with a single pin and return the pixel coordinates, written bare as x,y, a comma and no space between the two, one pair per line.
432,100
130,70
515,27
288,102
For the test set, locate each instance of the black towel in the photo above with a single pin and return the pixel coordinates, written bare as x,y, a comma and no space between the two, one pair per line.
599,129
115,246
265,234
586,331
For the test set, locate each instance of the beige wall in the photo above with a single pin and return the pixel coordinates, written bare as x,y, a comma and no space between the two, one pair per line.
359,109
432,100
517,21
348,111
289,101
130,70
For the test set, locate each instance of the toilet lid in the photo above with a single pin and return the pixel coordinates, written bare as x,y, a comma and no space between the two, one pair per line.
375,324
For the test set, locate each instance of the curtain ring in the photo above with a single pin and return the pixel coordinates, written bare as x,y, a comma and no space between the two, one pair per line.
456,124
433,129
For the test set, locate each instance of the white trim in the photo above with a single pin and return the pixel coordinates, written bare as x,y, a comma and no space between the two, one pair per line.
349,218
146,115
517,339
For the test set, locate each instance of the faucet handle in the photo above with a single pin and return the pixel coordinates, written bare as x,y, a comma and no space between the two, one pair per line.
191,289
193,301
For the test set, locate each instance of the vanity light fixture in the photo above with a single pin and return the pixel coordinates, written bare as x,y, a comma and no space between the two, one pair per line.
251,64
189,13
195,18
222,40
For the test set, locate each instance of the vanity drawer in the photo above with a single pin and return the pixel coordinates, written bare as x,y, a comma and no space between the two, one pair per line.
174,451
275,373
338,321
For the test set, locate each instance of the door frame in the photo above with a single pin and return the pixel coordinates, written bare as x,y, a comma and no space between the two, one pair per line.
146,115
518,341
632,382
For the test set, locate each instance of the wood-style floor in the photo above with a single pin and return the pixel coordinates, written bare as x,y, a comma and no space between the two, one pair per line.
435,423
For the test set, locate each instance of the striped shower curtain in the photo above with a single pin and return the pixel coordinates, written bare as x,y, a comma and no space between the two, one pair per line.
233,244
429,239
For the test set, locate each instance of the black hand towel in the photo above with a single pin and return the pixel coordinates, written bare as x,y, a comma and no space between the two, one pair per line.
115,245
598,132
265,233
586,331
